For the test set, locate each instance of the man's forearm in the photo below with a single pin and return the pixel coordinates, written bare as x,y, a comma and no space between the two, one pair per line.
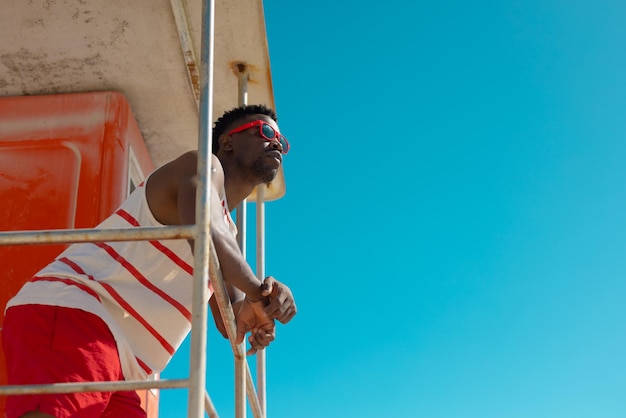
235,269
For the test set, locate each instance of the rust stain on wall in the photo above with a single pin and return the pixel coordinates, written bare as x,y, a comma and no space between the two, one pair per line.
239,66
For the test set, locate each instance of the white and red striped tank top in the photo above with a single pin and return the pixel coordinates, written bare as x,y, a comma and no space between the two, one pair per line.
141,289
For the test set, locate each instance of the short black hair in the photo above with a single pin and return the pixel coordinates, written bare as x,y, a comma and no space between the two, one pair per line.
235,114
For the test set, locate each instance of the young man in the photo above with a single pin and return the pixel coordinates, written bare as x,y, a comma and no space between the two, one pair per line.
119,310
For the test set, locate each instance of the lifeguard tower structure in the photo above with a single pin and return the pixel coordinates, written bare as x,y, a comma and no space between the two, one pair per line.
93,96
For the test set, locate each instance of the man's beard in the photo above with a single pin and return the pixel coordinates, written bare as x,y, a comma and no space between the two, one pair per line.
262,171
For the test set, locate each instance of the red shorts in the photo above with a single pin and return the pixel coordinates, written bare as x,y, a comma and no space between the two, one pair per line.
51,344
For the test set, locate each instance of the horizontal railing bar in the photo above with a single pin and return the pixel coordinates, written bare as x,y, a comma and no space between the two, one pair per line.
122,234
54,236
94,386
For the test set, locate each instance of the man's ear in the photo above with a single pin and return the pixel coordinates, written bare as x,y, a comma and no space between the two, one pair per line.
225,142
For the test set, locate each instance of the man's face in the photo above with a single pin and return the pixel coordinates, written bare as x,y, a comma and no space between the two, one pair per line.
252,150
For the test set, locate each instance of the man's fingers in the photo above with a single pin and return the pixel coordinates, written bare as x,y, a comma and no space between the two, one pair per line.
272,309
287,315
259,339
268,286
242,330
284,312
240,336
275,306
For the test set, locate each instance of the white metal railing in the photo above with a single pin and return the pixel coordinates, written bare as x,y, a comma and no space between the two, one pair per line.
144,233
201,88
197,366
206,263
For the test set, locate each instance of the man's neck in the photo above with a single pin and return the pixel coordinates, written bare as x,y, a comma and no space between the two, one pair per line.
236,187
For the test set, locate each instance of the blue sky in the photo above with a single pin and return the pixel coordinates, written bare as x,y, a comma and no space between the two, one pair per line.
454,227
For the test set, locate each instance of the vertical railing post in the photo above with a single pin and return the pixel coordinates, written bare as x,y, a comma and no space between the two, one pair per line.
241,208
197,373
240,363
260,271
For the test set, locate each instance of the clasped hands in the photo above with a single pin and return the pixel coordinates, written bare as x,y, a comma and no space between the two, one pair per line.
258,317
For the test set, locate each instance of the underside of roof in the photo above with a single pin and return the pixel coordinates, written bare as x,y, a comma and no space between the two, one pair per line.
135,47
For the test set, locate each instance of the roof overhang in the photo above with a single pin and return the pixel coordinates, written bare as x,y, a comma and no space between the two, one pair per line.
135,48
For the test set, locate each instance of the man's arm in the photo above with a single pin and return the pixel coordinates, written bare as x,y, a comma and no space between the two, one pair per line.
171,195
235,297
243,286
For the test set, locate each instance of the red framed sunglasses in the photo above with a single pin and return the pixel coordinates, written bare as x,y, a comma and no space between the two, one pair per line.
267,132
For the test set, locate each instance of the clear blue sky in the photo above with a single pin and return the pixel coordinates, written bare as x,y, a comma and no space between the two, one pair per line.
454,228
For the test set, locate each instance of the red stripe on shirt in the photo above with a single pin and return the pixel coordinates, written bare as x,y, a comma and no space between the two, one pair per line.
142,279
67,282
143,365
125,305
127,216
156,244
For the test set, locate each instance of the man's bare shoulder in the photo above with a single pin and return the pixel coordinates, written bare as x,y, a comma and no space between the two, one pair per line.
164,184
189,162
186,162
169,175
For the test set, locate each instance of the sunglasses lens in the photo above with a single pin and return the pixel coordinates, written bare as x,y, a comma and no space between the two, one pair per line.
284,143
268,131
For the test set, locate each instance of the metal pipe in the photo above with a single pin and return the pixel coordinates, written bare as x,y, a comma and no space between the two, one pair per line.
123,385
252,395
260,271
209,407
228,317
240,384
51,236
241,208
240,221
197,373
179,8
241,362
242,83
223,301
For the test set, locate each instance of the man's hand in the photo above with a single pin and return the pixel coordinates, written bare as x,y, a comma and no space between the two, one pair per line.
281,303
251,317
261,338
